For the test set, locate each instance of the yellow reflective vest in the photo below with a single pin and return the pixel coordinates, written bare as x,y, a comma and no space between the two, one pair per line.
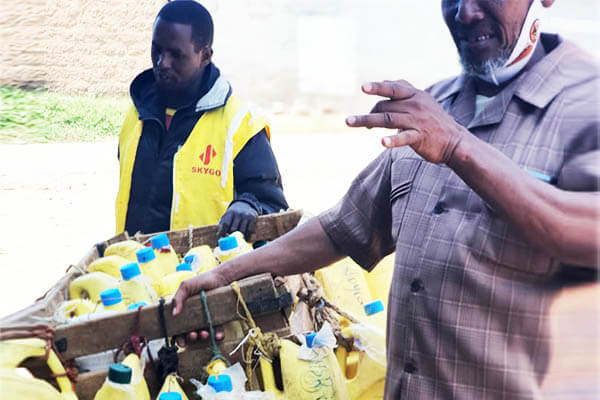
203,183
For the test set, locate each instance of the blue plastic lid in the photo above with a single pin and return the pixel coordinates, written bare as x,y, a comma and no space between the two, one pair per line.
170,396
146,254
111,296
130,270
310,338
183,267
221,383
190,259
160,241
119,373
137,305
374,307
228,243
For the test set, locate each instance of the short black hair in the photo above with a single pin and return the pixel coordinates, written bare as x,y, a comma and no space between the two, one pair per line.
189,12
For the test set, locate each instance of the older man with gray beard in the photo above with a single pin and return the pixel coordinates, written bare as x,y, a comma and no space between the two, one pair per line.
488,190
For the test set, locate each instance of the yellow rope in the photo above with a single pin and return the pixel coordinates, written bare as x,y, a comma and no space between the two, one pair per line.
266,343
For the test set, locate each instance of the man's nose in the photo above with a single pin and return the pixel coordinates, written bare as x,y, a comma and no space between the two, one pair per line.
164,61
468,12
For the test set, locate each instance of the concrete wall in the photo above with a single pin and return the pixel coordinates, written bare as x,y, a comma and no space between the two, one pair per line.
281,54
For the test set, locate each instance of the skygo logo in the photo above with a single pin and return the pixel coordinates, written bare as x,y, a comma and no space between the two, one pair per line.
206,157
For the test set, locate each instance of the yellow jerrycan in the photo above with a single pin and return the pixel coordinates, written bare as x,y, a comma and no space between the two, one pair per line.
171,389
364,369
135,287
201,258
137,376
150,267
109,265
125,249
18,383
231,246
171,282
379,279
304,380
70,309
117,385
166,256
89,286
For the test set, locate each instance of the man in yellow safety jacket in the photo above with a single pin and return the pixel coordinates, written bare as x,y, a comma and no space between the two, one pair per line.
190,152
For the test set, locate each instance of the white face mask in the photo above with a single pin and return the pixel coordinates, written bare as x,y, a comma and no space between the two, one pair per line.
523,50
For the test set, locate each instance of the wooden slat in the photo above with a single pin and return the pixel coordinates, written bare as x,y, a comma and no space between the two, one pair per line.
268,227
190,361
94,336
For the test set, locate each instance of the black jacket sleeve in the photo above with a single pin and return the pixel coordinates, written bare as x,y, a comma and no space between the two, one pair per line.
256,176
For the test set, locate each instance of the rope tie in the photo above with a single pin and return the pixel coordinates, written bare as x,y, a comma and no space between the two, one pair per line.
168,362
323,310
267,344
216,351
190,237
135,343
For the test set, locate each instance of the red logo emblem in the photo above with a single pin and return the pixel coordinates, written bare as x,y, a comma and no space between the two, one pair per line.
208,155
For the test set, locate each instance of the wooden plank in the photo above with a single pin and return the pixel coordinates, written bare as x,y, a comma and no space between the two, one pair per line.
94,336
190,361
268,227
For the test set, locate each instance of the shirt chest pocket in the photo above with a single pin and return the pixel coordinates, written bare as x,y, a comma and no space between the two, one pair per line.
503,245
403,175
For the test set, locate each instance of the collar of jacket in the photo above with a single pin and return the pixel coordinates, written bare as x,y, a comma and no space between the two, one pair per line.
540,83
213,93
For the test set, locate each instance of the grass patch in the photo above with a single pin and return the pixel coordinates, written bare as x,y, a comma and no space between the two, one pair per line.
40,116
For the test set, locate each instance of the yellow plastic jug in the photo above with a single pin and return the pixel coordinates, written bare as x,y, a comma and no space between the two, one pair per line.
171,282
364,369
150,267
231,246
125,249
380,278
117,385
73,308
137,376
166,256
345,285
204,261
90,285
112,300
18,383
109,265
171,386
135,287
304,380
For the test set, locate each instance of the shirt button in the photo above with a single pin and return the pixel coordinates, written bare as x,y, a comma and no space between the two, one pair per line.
410,367
439,208
416,286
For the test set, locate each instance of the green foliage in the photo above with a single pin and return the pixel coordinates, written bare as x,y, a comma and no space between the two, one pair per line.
33,116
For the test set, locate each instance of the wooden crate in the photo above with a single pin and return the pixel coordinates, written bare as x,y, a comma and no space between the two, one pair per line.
95,336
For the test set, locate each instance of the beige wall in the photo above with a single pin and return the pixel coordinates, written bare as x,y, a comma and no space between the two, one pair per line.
280,54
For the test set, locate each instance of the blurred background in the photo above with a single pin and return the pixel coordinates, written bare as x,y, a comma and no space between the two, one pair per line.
301,62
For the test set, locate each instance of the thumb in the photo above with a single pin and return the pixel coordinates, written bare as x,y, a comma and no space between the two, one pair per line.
179,299
402,138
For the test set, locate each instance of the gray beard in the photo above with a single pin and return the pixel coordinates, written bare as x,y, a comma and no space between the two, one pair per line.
486,68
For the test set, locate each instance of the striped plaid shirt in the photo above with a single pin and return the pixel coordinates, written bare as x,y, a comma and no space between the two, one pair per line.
469,301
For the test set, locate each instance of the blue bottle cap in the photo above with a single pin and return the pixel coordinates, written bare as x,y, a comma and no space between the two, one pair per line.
137,305
111,296
130,270
221,383
190,259
310,338
170,396
183,267
228,243
119,373
374,307
160,241
146,254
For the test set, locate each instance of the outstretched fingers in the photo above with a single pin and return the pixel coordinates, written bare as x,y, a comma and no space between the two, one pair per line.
395,90
402,138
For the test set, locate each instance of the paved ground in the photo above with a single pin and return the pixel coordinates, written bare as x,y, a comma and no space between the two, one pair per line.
56,201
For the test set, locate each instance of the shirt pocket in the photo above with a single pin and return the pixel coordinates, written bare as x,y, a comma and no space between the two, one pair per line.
503,245
403,176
